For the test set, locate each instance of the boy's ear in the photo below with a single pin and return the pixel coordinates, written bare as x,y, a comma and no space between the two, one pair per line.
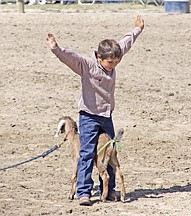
99,56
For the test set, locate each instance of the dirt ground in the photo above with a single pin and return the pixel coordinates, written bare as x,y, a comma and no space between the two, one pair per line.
153,104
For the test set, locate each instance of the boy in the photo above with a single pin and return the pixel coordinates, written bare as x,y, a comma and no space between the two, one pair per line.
96,102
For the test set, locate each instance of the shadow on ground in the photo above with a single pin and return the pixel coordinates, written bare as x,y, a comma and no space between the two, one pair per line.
155,193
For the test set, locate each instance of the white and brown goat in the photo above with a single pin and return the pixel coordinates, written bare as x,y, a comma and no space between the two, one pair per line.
106,156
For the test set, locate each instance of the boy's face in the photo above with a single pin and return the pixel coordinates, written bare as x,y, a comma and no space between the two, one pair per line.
108,64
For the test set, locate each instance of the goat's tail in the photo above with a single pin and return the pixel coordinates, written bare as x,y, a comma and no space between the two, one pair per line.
119,134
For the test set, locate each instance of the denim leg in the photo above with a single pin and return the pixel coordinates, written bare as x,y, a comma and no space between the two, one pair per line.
90,127
89,130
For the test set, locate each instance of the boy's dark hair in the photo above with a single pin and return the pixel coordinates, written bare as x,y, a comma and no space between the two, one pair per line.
109,48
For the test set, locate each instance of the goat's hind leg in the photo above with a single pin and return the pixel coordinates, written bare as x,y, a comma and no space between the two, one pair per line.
116,169
119,175
105,177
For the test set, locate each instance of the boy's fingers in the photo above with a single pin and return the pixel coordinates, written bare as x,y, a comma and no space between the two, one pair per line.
50,35
138,18
139,22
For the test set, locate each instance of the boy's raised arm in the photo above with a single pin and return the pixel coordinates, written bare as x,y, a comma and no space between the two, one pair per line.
128,39
74,61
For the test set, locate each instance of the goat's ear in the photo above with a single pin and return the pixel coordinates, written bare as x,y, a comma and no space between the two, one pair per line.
59,127
62,129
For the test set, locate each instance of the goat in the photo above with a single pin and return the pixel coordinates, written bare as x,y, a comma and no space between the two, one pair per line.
106,155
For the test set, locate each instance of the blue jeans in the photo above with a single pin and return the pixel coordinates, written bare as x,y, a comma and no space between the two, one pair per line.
91,126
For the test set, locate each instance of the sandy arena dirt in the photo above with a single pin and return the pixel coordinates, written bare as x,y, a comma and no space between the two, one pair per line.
153,104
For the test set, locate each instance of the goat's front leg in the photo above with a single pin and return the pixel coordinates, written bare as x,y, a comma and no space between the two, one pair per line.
114,163
73,180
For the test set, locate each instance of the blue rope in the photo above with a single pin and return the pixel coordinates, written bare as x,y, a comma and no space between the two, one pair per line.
44,154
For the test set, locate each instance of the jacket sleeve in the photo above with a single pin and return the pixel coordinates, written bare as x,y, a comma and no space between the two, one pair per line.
74,61
128,39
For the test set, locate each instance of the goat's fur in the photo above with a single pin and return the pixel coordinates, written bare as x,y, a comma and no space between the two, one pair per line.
107,156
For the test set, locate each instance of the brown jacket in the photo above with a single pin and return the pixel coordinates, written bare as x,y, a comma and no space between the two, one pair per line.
98,85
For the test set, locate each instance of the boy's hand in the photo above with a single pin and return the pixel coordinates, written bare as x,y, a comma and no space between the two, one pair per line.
139,22
52,41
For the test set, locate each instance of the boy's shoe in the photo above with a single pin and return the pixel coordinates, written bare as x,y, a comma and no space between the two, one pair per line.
114,196
85,201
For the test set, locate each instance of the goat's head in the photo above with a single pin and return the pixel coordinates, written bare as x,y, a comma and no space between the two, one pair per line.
66,123
119,135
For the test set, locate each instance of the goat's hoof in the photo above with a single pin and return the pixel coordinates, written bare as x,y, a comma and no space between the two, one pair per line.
123,199
103,199
71,196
